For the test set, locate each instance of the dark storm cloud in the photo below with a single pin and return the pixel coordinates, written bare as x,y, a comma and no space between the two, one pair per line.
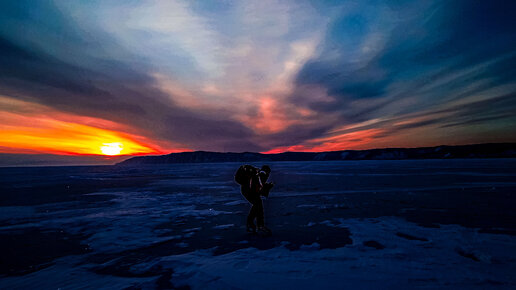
497,108
35,75
214,135
84,84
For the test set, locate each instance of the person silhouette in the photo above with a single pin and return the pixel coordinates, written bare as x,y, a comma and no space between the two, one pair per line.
256,187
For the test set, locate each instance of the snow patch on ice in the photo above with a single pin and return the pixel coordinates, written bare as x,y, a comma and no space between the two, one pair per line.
182,245
236,202
434,263
221,227
311,247
192,230
203,212
307,205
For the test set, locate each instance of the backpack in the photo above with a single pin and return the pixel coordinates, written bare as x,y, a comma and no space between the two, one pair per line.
244,174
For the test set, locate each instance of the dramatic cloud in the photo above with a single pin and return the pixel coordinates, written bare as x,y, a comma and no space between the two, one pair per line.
257,75
419,66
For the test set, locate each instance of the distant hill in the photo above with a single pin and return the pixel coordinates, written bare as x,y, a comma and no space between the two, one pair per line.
494,150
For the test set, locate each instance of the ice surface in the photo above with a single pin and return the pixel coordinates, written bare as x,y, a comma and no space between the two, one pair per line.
367,224
403,263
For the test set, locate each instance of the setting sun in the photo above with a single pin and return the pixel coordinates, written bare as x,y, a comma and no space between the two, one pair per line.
111,148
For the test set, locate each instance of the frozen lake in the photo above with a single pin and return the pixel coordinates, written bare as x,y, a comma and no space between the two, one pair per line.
342,224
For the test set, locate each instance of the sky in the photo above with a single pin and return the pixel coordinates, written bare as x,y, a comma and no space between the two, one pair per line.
107,78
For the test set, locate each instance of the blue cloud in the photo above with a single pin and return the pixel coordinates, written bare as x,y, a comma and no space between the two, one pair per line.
431,52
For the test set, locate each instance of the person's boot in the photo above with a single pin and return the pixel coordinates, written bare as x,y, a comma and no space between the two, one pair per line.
264,230
251,228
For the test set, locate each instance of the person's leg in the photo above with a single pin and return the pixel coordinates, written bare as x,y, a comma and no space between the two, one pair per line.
258,212
251,216
260,220
252,212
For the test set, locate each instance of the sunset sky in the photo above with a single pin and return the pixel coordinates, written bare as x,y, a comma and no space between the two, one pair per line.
100,78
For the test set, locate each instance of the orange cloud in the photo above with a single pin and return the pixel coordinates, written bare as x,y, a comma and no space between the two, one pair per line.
352,140
270,117
31,128
274,115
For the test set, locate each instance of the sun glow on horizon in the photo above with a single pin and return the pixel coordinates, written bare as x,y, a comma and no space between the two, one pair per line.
58,137
112,148
39,130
